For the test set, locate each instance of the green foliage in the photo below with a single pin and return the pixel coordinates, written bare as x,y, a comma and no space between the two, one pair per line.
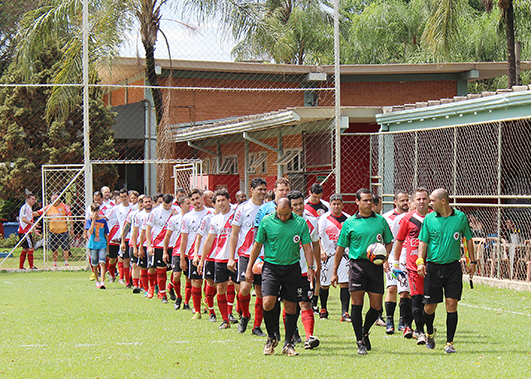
30,139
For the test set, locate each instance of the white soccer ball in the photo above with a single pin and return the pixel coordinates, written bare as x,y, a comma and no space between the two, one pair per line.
377,253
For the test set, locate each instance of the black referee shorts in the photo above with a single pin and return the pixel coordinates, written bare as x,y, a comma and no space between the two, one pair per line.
365,276
447,277
286,279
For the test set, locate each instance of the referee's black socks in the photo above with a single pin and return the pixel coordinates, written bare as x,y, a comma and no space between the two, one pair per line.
406,311
370,319
291,324
451,326
355,315
428,319
345,300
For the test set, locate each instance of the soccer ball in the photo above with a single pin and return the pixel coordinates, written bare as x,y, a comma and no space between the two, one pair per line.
257,266
377,253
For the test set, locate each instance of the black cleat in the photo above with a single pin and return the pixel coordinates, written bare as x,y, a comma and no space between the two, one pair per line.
258,332
390,325
242,326
177,304
136,290
311,343
232,319
362,349
164,300
187,307
367,342
172,295
401,325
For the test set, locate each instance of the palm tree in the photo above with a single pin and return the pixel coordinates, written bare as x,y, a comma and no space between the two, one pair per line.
287,31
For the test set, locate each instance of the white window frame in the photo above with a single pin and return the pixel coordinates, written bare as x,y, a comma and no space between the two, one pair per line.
288,158
229,165
258,162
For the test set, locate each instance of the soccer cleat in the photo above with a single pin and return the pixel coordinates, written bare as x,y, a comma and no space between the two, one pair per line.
449,348
113,279
212,317
224,325
172,295
145,294
242,326
315,309
258,332
345,318
129,286
289,350
296,337
323,314
121,281
390,325
311,343
102,285
362,349
196,316
380,322
416,335
136,290
367,342
150,292
430,342
97,284
421,340
33,268
408,333
177,304
401,325
270,345
157,289
232,319
92,276
186,306
164,300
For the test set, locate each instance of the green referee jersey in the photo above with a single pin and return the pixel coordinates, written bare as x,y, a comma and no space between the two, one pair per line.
443,236
282,240
359,232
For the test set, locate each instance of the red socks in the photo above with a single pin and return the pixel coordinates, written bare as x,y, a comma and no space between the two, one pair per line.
161,280
22,259
230,297
121,270
210,293
222,305
144,279
187,292
112,269
196,298
177,288
258,312
243,303
308,321
136,282
30,258
152,278
127,274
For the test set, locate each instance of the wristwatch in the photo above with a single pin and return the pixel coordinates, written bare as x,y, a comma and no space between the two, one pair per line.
311,267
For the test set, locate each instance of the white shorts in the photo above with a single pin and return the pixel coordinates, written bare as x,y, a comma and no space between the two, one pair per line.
401,285
327,269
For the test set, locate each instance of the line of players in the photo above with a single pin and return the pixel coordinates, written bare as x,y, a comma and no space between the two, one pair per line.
209,240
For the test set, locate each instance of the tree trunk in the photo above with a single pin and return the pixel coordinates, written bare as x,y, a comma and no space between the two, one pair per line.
511,57
153,81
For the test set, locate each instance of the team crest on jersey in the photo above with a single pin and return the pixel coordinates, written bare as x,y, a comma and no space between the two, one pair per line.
296,238
379,238
456,236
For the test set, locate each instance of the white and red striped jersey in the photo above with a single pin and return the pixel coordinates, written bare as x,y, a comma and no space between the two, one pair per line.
158,221
390,218
117,218
105,211
203,232
25,211
131,220
316,210
221,226
139,221
244,217
190,225
174,226
329,230
314,236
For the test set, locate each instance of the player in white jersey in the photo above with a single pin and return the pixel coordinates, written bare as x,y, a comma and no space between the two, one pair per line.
107,197
241,242
156,226
172,241
297,205
116,221
219,235
401,207
208,269
330,224
25,220
138,244
190,225
126,244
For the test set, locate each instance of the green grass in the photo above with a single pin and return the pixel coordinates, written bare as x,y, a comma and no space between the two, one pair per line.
57,324
78,258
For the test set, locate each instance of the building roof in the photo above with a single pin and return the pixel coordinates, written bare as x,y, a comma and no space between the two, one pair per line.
121,68
504,104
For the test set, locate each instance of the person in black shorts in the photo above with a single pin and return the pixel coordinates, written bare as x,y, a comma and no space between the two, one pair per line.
357,233
440,247
281,233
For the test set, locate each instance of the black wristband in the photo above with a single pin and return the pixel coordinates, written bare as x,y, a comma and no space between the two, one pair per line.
473,262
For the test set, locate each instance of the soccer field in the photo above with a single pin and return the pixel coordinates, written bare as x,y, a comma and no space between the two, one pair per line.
57,324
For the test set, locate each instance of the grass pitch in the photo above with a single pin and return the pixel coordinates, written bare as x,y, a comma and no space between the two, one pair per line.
57,324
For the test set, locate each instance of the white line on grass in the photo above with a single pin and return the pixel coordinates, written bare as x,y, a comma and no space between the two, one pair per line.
497,310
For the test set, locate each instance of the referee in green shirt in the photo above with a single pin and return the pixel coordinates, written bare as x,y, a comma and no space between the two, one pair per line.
358,232
281,233
440,247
